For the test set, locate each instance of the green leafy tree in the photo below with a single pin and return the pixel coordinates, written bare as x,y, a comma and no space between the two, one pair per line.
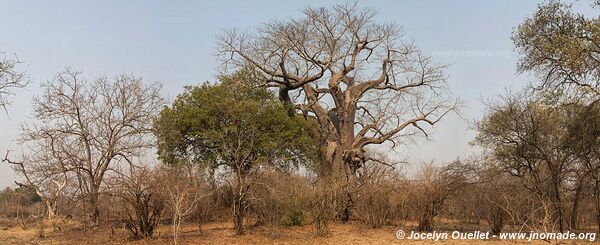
235,127
562,47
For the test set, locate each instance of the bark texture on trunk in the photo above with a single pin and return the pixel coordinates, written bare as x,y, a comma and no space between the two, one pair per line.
575,208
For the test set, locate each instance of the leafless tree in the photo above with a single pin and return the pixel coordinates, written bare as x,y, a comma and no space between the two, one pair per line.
183,190
358,79
93,125
10,78
43,174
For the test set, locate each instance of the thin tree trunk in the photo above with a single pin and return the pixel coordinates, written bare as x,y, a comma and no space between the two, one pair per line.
239,203
575,207
51,209
557,202
597,202
238,219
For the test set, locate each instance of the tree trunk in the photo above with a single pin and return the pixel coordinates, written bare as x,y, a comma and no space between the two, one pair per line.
95,212
597,201
575,208
51,209
557,202
176,222
333,164
348,208
239,203
497,220
341,159
238,220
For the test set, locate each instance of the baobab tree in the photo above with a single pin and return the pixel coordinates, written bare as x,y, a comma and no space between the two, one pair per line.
358,79
94,125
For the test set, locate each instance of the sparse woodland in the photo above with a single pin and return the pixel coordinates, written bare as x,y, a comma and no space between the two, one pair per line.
295,133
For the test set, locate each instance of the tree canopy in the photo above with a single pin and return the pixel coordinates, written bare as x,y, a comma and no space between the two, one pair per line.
562,47
232,123
359,79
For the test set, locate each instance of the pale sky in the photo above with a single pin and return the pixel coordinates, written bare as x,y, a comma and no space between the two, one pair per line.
174,42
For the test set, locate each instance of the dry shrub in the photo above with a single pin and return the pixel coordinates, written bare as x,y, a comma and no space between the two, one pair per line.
220,202
467,206
20,202
496,187
41,228
506,201
431,191
326,202
142,200
279,198
205,209
380,198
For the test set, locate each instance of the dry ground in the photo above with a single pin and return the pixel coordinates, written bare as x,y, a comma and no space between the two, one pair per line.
213,233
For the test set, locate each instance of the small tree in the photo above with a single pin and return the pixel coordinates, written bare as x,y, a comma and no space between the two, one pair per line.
233,126
182,187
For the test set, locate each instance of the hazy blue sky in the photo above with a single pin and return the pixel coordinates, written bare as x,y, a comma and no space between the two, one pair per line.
174,42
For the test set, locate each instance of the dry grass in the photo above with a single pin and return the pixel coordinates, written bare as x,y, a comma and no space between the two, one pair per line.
213,233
